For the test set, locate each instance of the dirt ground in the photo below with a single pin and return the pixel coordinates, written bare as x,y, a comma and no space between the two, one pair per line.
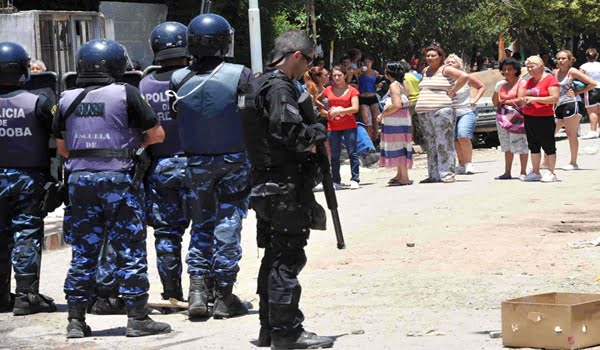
478,242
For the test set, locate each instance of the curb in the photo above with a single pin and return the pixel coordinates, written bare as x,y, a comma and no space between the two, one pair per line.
53,233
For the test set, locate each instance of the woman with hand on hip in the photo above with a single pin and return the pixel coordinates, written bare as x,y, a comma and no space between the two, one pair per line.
569,107
592,97
396,134
439,86
465,108
506,95
539,94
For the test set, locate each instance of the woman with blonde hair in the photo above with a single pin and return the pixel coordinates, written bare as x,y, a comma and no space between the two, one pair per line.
465,108
37,66
592,97
569,107
539,94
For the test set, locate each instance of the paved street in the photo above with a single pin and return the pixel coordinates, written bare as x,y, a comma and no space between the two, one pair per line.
477,242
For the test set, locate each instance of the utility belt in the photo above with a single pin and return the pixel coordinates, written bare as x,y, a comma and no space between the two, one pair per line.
140,156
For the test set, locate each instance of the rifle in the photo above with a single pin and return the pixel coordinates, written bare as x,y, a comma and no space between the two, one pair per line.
310,113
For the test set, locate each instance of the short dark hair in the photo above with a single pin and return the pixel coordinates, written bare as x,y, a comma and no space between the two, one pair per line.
292,41
405,65
396,71
344,57
354,53
368,56
511,62
434,46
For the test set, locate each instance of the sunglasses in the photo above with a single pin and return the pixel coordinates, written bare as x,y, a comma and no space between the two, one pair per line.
309,59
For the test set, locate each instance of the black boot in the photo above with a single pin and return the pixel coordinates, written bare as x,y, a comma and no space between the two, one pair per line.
264,337
228,304
138,322
77,327
198,296
109,306
28,299
171,289
7,299
108,301
305,340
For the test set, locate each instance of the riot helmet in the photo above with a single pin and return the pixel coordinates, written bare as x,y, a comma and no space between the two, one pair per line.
101,61
169,40
14,64
210,35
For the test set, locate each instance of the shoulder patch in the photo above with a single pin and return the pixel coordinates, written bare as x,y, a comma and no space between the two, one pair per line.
54,109
292,109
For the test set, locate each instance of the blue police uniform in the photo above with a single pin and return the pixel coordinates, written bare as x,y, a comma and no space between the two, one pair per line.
25,121
166,190
103,203
101,127
25,127
218,169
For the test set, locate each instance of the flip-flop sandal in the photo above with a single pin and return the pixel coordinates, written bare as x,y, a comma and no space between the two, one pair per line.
392,180
398,183
429,181
503,177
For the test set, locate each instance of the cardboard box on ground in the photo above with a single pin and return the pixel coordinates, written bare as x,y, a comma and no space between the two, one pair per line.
552,321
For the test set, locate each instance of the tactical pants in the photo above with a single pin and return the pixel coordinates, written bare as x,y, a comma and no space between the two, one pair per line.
216,186
283,226
166,203
105,207
21,220
106,280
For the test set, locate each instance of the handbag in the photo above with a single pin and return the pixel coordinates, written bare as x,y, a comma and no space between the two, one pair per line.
511,118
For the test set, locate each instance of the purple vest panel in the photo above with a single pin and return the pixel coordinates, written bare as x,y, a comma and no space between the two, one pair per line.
155,93
23,140
99,122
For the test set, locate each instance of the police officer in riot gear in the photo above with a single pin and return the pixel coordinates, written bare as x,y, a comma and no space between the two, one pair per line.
281,147
102,128
25,128
218,169
166,190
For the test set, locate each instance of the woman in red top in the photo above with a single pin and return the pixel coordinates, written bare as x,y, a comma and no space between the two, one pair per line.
540,94
343,104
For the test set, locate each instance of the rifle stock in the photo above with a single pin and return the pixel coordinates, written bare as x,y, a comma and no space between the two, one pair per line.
308,111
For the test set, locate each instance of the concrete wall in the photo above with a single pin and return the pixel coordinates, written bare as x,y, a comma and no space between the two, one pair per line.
21,28
133,24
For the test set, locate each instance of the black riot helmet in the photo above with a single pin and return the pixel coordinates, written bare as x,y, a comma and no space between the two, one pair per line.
169,40
101,61
209,35
14,64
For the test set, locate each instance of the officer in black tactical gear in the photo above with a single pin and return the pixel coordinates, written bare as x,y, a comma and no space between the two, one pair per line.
102,128
25,128
281,146
218,168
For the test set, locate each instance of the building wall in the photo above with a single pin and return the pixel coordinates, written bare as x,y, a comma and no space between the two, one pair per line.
19,27
133,23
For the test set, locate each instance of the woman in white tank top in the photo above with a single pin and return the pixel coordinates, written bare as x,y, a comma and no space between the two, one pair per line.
592,98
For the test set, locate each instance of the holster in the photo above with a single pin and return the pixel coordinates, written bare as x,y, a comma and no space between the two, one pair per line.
143,162
55,194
